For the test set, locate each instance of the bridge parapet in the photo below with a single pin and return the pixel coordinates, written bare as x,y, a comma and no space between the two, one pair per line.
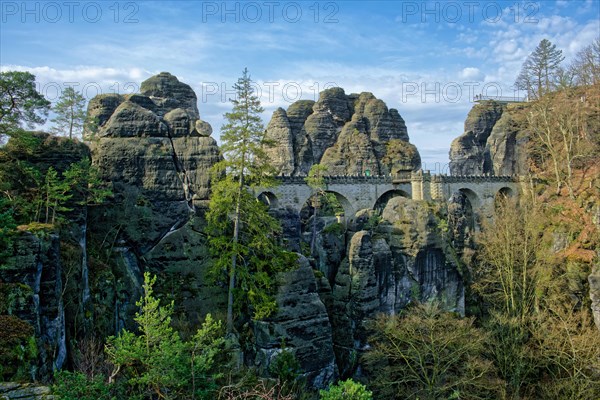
476,178
337,179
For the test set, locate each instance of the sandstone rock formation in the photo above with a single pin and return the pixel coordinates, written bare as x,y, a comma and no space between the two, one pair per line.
493,142
349,134
155,142
507,143
402,259
25,391
157,153
31,290
302,323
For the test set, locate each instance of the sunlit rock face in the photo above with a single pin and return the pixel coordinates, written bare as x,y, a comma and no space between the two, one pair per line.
403,258
349,134
493,142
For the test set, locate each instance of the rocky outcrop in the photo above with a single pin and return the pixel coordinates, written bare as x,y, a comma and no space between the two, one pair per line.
156,153
467,152
507,143
155,143
413,231
402,259
167,94
24,391
347,133
493,142
301,322
31,292
355,299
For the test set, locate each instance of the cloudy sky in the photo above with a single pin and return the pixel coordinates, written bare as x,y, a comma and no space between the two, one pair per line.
425,58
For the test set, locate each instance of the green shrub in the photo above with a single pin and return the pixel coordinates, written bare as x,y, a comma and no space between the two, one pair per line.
77,386
346,390
285,367
18,349
336,228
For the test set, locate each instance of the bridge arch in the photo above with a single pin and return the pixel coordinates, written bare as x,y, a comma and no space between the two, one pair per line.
473,198
503,195
466,202
269,199
382,201
505,192
347,206
349,210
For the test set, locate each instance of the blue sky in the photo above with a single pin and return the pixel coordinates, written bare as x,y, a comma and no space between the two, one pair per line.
425,58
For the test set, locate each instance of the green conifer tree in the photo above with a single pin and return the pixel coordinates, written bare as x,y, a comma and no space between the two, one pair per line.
242,234
70,113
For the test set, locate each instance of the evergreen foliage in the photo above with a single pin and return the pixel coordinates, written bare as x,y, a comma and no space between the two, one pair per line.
316,181
540,70
20,102
346,390
157,362
242,235
70,113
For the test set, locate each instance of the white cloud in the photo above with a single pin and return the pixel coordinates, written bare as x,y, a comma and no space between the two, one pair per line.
471,73
90,80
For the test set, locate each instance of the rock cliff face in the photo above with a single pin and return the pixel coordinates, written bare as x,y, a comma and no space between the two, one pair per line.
493,142
156,152
349,134
302,323
401,260
31,290
380,265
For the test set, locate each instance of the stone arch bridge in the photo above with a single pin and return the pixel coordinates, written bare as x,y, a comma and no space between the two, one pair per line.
373,192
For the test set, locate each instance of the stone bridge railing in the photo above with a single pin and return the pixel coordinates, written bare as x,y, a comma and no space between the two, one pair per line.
403,177
476,178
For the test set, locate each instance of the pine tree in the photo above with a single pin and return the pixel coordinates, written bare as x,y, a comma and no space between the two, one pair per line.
56,195
540,70
20,102
157,363
241,232
70,112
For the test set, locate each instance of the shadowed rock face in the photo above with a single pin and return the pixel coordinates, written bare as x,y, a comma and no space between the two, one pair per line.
347,133
492,143
301,321
34,271
157,153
